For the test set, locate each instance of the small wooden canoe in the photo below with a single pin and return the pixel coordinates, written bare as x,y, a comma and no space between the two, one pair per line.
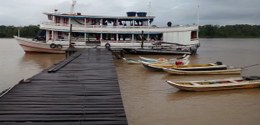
132,61
186,66
184,59
227,71
148,66
219,84
173,60
158,66
145,59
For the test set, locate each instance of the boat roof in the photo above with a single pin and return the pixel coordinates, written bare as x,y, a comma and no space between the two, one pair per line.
100,17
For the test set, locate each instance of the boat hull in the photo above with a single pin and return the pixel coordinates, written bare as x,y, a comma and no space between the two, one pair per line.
29,45
221,86
152,65
155,51
132,61
187,67
149,67
207,72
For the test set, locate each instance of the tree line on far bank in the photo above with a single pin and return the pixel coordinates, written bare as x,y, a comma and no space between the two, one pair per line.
25,31
230,31
205,31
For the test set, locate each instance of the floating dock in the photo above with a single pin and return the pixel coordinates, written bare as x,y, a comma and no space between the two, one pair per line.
81,90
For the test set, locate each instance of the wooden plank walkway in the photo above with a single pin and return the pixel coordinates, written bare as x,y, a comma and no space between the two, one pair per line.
84,91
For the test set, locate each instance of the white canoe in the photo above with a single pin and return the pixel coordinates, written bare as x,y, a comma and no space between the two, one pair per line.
158,66
132,61
204,72
145,59
186,66
219,84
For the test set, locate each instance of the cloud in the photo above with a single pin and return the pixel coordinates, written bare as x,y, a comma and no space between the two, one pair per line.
222,12
230,12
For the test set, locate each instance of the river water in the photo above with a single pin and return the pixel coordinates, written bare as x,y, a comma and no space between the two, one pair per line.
148,100
16,65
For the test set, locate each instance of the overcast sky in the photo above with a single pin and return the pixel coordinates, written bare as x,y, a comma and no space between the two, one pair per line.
220,12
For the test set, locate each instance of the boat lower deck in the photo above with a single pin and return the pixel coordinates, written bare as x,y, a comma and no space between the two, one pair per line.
84,91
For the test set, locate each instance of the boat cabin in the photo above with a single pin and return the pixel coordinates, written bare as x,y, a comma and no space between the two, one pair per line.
132,29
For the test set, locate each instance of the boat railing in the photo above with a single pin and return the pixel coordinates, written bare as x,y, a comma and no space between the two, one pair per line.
125,41
94,26
113,27
76,39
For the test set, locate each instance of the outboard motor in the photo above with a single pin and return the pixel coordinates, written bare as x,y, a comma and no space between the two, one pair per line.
219,63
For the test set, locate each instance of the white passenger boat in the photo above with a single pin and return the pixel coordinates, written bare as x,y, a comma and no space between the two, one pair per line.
133,31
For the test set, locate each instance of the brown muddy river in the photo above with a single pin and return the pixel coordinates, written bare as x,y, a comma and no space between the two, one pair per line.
148,100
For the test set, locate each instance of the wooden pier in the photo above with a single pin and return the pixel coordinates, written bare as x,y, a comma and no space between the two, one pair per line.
81,90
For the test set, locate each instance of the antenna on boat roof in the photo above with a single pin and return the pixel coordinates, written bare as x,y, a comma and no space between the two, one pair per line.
149,8
73,6
198,14
198,18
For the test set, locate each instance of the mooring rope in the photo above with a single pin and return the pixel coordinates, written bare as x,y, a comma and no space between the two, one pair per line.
249,66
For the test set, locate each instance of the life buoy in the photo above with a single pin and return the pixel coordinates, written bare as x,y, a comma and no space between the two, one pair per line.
178,49
53,45
59,46
107,45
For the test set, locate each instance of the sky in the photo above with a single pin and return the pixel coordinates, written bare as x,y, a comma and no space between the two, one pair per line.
179,12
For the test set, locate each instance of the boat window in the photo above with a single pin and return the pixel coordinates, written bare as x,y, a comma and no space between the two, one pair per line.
57,19
193,35
50,17
65,21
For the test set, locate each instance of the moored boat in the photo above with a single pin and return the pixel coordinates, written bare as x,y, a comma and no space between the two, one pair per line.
158,66
145,59
219,84
188,67
132,61
183,59
131,32
158,51
226,71
29,45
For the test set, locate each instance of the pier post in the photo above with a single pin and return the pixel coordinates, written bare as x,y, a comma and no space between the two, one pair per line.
71,50
142,45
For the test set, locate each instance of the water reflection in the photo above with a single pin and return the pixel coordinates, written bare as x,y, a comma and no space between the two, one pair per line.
177,95
16,64
40,60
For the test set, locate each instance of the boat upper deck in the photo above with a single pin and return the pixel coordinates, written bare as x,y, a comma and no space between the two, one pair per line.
115,29
79,16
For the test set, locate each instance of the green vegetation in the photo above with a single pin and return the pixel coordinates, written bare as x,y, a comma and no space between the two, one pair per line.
26,31
230,31
206,31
